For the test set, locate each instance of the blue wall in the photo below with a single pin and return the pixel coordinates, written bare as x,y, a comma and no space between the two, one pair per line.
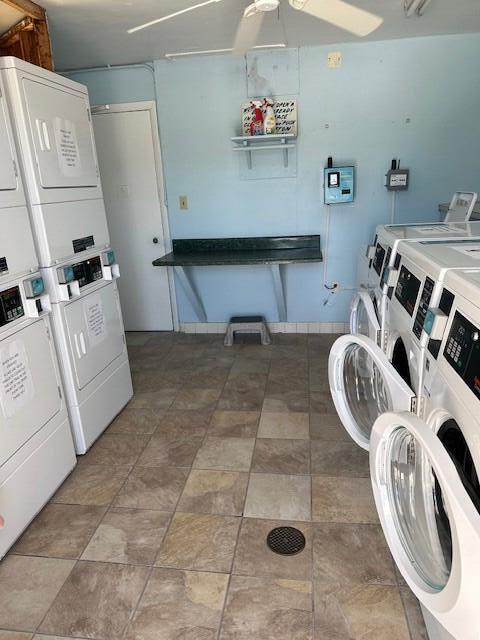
415,99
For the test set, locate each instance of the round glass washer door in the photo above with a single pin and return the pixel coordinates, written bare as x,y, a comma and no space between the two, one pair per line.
364,384
431,525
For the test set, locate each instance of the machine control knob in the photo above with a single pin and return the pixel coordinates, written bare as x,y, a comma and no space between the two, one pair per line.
155,240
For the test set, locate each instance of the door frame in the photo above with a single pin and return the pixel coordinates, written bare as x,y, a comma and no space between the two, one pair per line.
151,107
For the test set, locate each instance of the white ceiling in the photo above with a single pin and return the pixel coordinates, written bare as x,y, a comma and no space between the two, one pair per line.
88,33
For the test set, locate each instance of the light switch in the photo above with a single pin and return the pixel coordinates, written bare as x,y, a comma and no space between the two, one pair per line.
334,59
183,202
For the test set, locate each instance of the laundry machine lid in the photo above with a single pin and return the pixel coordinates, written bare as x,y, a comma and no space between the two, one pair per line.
364,384
431,525
363,316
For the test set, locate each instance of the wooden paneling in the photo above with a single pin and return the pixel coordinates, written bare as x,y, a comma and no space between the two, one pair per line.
29,39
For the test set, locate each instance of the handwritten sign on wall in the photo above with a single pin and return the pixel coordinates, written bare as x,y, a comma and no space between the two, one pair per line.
286,116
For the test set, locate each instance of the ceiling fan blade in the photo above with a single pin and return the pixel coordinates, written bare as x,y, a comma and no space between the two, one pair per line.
171,15
341,14
248,32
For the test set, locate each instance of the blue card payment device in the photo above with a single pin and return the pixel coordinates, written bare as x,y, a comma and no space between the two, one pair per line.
338,184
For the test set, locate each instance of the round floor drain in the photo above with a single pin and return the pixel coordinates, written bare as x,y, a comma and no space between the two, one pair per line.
287,541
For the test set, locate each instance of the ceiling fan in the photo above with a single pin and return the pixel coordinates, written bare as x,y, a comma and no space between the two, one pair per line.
337,12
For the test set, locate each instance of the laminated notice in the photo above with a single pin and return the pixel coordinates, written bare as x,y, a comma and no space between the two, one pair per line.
67,147
16,382
97,330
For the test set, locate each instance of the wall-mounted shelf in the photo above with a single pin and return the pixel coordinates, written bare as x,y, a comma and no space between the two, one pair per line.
248,144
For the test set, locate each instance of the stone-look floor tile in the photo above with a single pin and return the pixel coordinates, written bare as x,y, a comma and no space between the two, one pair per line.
180,424
92,485
156,401
284,425
267,609
28,586
281,456
339,459
278,497
250,365
342,553
355,612
96,601
60,531
253,557
175,453
328,426
135,421
116,449
230,454
196,399
280,401
15,635
128,536
234,424
179,605
152,488
199,542
216,492
321,402
414,615
236,398
348,500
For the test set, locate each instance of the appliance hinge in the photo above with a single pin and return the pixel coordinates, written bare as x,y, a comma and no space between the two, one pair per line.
15,168
60,392
416,405
89,115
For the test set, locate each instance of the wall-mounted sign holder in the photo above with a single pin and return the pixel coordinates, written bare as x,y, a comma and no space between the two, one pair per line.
268,142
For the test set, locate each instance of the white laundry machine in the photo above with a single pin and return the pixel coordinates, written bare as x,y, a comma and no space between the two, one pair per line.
378,267
90,338
425,470
53,130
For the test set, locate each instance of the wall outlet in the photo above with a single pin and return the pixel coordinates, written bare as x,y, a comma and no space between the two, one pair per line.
334,60
183,202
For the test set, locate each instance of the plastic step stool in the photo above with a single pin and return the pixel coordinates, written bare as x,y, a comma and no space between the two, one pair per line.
247,324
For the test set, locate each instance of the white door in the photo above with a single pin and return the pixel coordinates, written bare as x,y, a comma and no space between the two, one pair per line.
126,143
364,317
29,386
95,331
62,135
364,384
431,525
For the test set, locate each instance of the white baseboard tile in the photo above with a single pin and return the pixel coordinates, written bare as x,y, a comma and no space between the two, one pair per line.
274,327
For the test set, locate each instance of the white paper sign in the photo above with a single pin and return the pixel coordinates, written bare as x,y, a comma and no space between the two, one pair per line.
285,116
97,330
67,147
16,382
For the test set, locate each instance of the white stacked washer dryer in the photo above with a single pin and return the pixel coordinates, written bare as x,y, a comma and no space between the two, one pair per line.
53,130
36,452
425,470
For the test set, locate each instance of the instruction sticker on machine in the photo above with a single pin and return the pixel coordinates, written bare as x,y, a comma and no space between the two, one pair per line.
67,146
16,382
96,325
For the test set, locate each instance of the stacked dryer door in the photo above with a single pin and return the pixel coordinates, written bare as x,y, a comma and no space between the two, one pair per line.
90,336
57,152
36,450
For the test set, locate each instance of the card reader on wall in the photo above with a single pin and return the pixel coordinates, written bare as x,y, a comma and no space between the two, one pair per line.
338,184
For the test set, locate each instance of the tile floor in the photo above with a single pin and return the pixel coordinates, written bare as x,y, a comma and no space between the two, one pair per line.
159,533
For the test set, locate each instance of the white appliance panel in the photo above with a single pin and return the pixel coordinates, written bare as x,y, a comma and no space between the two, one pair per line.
29,386
95,329
17,250
61,130
8,177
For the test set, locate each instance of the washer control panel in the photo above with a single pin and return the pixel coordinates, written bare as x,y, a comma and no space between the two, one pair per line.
11,306
462,351
423,307
88,271
378,258
407,290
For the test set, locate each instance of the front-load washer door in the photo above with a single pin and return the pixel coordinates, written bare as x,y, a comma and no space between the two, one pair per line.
363,317
95,332
431,524
62,134
29,386
364,384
